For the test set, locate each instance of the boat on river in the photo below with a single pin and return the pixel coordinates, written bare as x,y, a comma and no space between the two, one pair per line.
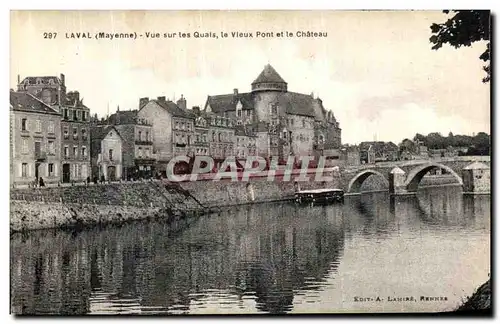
319,196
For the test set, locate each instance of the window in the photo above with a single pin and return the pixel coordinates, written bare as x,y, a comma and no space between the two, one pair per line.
24,170
239,113
249,113
66,151
84,115
51,127
51,169
303,123
75,152
75,133
183,126
79,113
147,136
51,147
139,154
84,151
274,109
65,113
176,125
220,137
213,136
284,134
66,132
84,134
24,124
74,116
38,126
189,140
25,145
139,136
146,152
189,127
110,155
204,138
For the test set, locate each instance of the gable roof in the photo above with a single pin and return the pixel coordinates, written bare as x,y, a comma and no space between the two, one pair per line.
228,102
175,110
99,132
23,101
269,74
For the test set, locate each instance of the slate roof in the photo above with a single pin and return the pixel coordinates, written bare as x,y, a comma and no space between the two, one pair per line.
43,79
269,74
293,102
123,117
228,102
97,134
23,101
175,110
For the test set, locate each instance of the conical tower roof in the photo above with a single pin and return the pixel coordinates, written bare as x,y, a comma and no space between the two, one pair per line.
269,79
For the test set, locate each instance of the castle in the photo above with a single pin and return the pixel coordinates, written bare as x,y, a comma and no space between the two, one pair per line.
285,123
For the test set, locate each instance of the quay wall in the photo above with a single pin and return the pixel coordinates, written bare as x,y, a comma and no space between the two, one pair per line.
80,206
73,206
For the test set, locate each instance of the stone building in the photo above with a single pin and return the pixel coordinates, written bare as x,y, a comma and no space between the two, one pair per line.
74,130
245,144
173,128
75,143
220,136
477,178
286,123
35,140
106,152
137,147
200,145
378,151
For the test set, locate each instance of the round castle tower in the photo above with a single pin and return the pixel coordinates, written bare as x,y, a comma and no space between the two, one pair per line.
266,90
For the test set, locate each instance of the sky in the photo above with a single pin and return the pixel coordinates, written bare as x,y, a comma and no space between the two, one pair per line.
375,69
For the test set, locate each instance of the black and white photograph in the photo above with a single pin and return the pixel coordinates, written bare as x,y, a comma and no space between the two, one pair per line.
241,162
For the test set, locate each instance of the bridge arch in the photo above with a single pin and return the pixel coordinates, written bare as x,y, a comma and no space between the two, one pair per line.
415,175
356,182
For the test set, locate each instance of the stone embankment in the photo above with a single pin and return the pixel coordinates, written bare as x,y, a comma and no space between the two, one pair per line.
82,206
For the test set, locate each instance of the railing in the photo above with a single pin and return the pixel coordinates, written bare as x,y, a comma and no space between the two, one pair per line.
40,156
140,142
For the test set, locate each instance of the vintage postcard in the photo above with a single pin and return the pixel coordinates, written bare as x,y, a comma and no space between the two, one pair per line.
249,162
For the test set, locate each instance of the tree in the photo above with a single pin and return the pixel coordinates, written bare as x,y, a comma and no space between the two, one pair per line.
463,29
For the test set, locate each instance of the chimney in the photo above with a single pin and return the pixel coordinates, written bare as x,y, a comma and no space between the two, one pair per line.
161,98
235,91
18,79
143,102
182,102
196,110
63,79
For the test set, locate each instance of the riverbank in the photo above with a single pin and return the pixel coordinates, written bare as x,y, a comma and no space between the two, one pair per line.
101,204
480,301
98,205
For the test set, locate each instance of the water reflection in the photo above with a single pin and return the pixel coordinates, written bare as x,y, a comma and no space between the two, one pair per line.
265,258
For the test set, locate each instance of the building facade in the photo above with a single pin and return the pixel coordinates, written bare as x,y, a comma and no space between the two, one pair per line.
35,140
137,146
75,143
173,128
106,153
75,127
286,123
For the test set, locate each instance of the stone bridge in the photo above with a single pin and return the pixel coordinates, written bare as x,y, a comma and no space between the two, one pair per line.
404,176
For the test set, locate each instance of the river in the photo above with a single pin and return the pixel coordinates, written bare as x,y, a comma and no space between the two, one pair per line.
268,258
